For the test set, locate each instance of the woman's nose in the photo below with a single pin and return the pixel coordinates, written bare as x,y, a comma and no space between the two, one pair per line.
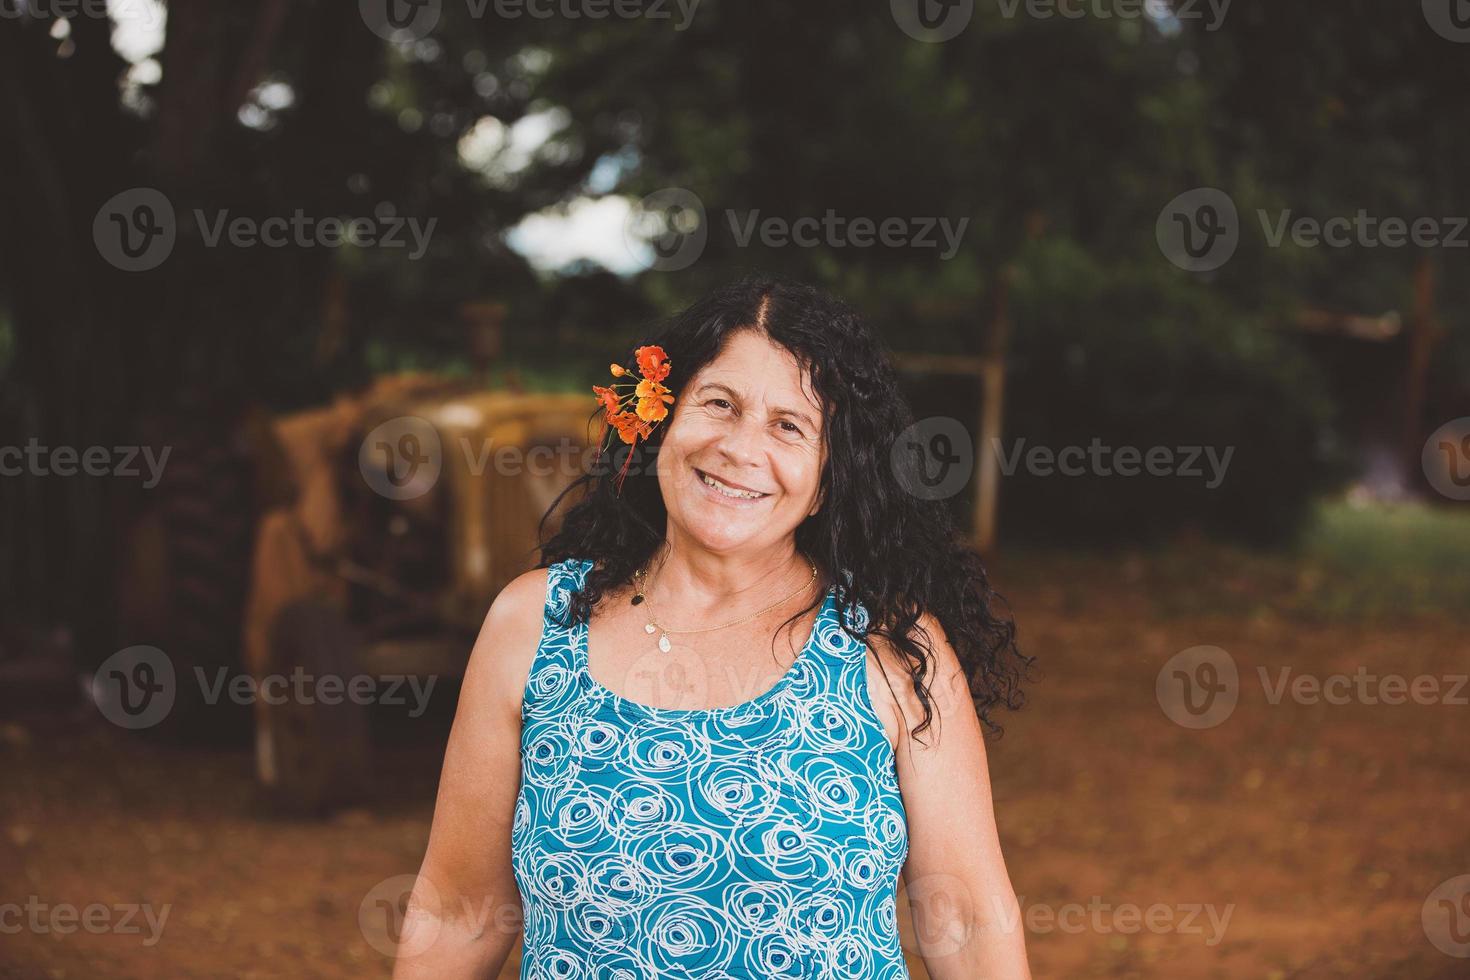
740,442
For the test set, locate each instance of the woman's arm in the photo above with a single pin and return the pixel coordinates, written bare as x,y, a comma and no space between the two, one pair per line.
965,914
464,916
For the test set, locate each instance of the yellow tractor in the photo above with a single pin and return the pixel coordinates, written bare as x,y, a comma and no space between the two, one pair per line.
410,505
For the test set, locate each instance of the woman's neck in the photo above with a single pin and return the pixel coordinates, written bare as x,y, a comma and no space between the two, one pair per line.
701,579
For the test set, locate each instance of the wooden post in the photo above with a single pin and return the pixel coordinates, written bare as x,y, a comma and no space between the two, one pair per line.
1424,331
990,424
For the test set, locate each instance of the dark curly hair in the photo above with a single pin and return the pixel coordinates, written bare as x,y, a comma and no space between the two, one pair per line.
902,552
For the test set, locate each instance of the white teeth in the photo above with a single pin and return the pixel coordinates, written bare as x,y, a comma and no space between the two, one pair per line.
729,491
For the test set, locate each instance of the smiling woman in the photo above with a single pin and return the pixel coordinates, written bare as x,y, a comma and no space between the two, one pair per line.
741,802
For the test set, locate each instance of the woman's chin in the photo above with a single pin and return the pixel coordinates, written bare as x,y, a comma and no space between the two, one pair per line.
725,536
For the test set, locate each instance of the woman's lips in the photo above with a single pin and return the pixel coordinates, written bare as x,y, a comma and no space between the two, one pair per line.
701,476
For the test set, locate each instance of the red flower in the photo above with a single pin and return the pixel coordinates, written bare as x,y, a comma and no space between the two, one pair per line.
653,363
607,398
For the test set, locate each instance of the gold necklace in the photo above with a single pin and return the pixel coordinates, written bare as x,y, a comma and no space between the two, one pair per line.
640,596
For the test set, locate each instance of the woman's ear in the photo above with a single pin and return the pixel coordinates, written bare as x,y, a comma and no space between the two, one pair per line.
818,501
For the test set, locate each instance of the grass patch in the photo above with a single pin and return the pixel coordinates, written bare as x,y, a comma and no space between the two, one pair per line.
1354,563
1382,560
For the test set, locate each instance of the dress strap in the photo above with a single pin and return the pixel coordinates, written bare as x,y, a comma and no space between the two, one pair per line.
836,647
554,668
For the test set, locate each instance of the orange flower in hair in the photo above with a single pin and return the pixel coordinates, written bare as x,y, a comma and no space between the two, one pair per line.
633,414
653,363
653,401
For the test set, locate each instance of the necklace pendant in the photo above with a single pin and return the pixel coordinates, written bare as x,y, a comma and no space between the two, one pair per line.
664,644
650,629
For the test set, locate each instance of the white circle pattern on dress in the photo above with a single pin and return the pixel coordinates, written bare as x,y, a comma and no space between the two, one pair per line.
763,839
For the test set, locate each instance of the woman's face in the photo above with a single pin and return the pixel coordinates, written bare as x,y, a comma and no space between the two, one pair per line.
742,459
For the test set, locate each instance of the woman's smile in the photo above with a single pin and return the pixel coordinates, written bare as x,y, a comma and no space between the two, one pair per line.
728,491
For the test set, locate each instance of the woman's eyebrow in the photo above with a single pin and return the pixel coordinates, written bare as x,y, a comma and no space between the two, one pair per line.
715,385
792,412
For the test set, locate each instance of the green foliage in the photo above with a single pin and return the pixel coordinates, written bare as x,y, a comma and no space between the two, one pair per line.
1132,355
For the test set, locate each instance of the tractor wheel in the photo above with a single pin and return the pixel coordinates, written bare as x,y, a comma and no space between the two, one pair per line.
184,569
311,754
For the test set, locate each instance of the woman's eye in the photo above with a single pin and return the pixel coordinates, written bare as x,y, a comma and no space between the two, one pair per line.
790,427
719,403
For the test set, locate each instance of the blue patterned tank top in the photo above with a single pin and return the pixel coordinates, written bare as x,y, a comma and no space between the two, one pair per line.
762,839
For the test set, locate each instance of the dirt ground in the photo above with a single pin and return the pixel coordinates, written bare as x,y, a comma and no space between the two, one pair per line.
1292,839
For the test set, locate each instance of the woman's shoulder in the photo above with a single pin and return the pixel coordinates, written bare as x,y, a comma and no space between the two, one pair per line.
525,599
514,624
523,595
